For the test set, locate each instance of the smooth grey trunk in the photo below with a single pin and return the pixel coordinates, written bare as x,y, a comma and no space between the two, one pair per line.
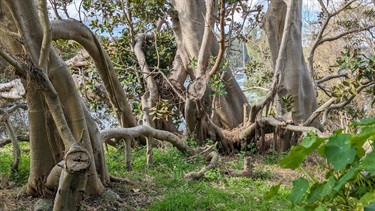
285,19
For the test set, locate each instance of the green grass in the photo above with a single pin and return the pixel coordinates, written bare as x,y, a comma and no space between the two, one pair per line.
214,192
6,156
163,185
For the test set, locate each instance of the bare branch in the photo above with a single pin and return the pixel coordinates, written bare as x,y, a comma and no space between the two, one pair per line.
204,51
8,141
345,33
13,62
294,128
73,30
47,35
221,42
331,77
143,130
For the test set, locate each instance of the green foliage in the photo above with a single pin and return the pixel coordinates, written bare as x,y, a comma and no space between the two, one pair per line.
162,110
6,154
361,67
350,178
287,102
217,85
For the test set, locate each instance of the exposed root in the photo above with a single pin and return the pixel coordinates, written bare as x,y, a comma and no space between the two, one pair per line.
200,174
121,179
246,172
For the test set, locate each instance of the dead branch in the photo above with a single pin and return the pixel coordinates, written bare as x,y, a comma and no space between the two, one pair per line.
197,175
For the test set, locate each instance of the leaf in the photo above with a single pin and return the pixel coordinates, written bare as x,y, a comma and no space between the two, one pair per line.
315,193
298,153
364,122
368,163
339,152
300,187
274,190
346,177
327,189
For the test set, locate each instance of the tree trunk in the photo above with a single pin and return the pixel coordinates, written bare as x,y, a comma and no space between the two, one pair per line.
45,152
195,42
294,79
296,98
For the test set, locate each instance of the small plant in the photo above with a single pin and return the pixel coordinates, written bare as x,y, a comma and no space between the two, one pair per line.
350,181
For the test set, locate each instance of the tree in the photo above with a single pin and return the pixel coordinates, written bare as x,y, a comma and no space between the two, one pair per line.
66,153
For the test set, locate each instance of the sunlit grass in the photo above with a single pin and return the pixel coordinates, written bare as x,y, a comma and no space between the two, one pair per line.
215,191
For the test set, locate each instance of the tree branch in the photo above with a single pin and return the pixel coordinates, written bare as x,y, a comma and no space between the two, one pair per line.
221,42
142,130
47,35
327,78
346,33
204,51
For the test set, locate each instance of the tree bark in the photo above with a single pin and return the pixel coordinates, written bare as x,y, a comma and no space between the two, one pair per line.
283,24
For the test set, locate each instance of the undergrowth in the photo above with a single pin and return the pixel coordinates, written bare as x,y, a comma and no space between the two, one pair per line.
162,186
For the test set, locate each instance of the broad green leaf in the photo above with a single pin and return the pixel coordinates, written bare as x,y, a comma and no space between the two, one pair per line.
358,140
315,193
298,153
299,189
368,163
295,158
339,152
346,177
364,122
274,190
327,189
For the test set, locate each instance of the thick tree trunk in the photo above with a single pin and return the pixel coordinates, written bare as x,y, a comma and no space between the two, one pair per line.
44,149
194,39
296,99
286,19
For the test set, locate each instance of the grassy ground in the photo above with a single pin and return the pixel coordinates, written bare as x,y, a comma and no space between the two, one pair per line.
162,186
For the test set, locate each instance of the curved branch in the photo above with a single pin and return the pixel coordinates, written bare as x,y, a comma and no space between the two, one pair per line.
73,30
200,174
143,130
46,43
221,42
204,51
345,33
